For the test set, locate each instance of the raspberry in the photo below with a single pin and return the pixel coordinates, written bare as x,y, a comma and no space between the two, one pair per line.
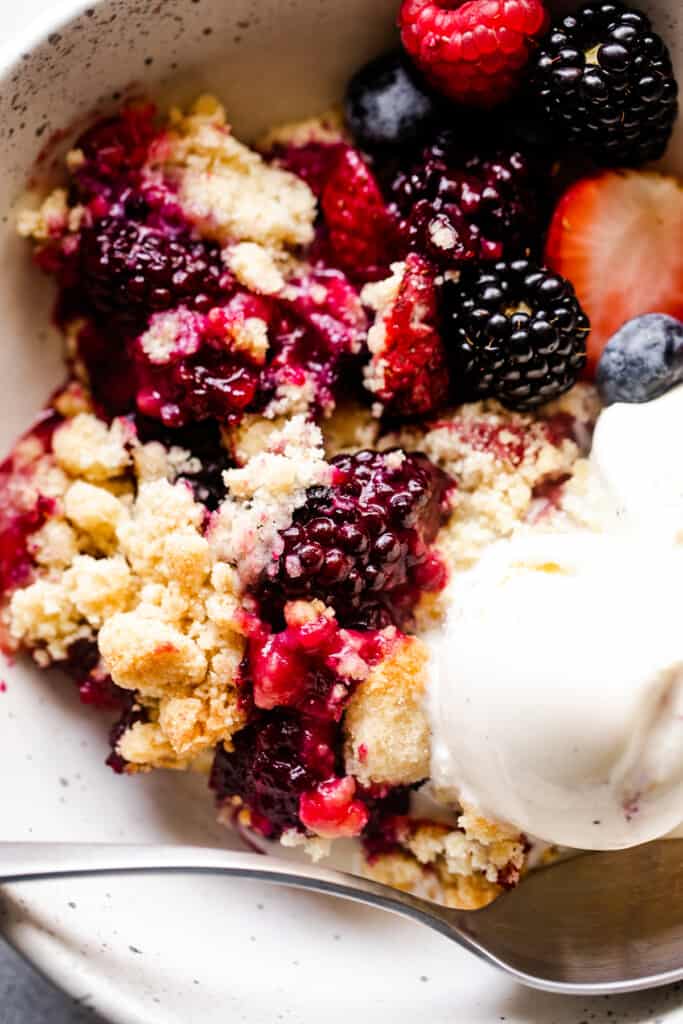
472,52
516,332
409,373
456,205
330,809
312,161
361,229
279,756
129,270
362,545
114,150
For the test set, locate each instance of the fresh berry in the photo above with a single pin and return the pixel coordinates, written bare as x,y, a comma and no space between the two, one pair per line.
279,756
409,372
357,219
642,360
514,331
605,79
456,205
130,271
386,104
617,237
362,545
472,52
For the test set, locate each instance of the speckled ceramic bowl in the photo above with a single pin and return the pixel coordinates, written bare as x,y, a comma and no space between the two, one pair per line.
176,951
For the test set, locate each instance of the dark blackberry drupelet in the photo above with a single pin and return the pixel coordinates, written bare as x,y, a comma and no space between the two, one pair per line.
605,78
275,759
132,713
130,271
362,545
514,331
458,206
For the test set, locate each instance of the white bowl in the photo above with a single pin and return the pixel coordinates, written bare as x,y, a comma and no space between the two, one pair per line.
173,951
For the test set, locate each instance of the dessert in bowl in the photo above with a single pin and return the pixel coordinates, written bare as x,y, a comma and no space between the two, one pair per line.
316,507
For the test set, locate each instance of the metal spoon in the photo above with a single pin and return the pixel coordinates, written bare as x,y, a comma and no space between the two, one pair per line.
598,923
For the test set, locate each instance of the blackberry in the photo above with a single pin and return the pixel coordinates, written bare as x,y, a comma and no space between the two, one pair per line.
605,78
457,206
129,270
514,331
362,545
275,759
132,713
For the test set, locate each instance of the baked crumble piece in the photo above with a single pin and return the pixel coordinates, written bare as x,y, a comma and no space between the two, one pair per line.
234,524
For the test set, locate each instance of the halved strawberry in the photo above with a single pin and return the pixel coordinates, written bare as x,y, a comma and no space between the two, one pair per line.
618,237
360,226
408,370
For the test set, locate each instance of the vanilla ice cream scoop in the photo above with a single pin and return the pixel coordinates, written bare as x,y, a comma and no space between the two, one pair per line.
635,454
557,690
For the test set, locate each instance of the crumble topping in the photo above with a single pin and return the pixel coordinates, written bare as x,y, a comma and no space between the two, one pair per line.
380,296
86,447
465,867
386,726
263,495
227,189
53,217
255,267
163,610
498,459
349,429
325,128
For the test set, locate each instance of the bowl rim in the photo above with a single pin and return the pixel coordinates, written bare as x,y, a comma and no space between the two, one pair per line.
38,28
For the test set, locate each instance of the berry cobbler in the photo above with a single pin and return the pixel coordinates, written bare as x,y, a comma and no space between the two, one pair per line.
361,434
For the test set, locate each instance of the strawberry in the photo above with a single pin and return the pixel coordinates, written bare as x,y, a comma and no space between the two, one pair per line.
360,227
408,370
618,238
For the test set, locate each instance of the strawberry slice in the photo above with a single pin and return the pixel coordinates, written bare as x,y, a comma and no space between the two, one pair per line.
618,237
360,227
408,369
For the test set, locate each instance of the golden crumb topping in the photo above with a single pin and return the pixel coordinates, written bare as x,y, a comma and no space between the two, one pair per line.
386,726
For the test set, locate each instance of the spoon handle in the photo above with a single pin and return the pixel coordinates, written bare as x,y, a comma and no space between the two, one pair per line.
23,862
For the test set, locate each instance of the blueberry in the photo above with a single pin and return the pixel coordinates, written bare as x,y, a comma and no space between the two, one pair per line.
386,104
642,360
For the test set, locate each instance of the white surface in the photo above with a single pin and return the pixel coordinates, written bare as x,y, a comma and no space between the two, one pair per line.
570,725
176,951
